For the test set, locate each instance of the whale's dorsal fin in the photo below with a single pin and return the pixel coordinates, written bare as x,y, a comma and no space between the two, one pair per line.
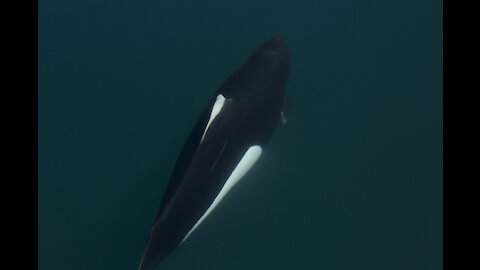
284,112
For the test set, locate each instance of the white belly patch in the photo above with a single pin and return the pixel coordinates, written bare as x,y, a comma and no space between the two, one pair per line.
247,161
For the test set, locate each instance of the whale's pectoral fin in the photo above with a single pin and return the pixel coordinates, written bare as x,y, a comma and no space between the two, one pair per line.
284,112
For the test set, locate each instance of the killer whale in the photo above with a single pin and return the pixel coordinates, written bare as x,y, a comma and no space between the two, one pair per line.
225,142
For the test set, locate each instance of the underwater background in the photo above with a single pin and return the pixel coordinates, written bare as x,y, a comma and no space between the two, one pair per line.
352,181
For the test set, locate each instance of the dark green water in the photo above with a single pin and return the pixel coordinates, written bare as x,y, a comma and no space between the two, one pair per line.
353,181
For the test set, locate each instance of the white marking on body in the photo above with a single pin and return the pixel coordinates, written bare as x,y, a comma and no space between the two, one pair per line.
217,107
247,161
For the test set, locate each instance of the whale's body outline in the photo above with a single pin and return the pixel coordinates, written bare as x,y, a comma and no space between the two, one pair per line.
224,144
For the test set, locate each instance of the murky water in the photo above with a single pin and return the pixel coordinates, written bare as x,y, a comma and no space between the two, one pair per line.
353,181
